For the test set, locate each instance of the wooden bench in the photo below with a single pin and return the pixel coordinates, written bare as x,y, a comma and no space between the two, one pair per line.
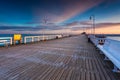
111,49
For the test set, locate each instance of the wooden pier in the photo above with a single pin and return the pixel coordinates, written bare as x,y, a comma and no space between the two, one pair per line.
70,58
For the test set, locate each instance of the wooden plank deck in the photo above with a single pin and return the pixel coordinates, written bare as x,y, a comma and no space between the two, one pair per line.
64,59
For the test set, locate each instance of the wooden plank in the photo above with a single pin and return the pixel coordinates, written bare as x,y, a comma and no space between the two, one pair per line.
69,74
83,76
88,76
65,59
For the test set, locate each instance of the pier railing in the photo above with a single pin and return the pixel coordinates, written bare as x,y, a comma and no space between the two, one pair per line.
34,38
6,40
111,49
28,39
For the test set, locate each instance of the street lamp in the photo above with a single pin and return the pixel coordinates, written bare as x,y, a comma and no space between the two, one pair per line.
44,22
92,17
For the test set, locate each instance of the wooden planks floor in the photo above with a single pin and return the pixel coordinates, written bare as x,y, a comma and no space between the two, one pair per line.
64,59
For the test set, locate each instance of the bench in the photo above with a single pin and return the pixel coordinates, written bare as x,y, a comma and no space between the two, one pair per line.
111,49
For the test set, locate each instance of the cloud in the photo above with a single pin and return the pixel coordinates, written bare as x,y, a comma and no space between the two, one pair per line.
76,7
17,28
34,22
99,25
77,28
108,28
85,22
102,25
87,25
48,26
66,9
72,23
78,24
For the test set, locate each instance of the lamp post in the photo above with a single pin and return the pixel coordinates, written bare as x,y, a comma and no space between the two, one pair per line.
45,22
93,23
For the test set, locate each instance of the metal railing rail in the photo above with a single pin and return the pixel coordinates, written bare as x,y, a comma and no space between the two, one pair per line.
39,38
33,38
6,40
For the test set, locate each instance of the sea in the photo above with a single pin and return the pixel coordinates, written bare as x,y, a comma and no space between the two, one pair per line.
111,36
23,35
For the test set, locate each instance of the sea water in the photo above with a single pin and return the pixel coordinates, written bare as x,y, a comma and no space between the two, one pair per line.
111,36
23,35
114,38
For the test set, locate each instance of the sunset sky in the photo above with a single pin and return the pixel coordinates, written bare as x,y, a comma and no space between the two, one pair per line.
59,16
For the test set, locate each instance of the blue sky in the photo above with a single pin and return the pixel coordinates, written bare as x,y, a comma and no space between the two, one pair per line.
38,15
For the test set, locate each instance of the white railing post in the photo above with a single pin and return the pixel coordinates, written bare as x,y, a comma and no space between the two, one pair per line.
24,40
11,41
42,38
38,38
32,39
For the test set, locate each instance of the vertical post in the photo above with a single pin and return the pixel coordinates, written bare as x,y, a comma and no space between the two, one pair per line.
93,24
38,38
91,28
32,39
11,41
116,69
47,37
82,29
24,40
5,43
43,37
45,22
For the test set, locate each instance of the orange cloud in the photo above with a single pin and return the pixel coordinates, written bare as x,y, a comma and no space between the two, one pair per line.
107,28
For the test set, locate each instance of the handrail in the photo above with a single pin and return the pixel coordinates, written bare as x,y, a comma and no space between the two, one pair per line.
5,40
33,37
47,37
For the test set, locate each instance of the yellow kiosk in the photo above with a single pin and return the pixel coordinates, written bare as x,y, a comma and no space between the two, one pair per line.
17,37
